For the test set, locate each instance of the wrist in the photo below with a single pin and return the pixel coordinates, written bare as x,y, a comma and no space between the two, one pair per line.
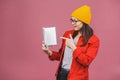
49,52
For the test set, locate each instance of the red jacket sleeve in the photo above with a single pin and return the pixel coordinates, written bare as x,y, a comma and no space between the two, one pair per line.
86,58
55,56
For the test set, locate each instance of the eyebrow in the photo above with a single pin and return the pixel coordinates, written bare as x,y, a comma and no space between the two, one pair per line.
75,19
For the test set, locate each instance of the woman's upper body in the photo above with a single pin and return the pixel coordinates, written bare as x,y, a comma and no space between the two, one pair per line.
83,51
82,56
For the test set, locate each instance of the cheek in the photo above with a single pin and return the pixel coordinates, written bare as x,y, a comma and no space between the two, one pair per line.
80,25
77,28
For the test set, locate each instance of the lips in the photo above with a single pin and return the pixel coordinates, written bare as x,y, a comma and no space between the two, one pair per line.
75,26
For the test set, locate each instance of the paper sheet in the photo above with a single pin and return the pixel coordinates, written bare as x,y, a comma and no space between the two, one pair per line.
49,35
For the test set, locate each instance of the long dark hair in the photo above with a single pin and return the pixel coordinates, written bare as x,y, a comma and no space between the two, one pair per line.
86,32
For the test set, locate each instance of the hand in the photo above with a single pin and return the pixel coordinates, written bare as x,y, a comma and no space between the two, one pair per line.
70,42
45,48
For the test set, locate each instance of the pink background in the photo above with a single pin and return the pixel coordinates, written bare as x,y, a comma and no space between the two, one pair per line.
21,22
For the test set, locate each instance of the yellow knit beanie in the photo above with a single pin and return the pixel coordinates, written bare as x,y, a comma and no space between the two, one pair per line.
83,14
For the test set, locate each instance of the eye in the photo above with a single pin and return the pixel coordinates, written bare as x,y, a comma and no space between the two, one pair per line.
71,20
75,21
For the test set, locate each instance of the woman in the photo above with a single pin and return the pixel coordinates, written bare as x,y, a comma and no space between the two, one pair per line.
79,47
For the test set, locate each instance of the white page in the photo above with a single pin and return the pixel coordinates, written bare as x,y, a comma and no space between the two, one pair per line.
49,35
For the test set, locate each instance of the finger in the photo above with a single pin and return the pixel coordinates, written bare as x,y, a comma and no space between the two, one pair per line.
63,37
43,45
71,36
43,42
43,48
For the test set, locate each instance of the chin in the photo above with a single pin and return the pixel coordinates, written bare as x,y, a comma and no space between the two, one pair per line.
76,29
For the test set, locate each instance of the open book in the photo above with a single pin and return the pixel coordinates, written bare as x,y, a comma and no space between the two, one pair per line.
49,35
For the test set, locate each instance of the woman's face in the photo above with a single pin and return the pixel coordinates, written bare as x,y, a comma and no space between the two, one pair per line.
77,24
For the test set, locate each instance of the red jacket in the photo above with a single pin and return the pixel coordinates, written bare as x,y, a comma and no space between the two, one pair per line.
82,57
